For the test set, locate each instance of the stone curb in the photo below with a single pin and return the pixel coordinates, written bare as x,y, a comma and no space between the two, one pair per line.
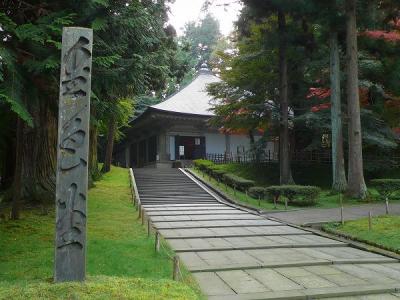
315,293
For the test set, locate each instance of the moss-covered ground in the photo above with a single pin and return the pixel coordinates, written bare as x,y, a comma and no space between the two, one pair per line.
121,261
385,231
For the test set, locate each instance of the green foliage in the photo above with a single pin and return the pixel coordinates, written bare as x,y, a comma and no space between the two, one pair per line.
217,172
296,194
386,187
202,38
257,192
237,182
203,164
17,108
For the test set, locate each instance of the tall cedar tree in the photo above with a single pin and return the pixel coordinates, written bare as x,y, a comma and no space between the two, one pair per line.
356,185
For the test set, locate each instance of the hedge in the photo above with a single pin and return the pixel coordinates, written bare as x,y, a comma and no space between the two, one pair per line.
386,186
296,194
203,164
217,173
257,192
237,182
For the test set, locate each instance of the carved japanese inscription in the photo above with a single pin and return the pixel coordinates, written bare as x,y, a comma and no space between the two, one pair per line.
72,154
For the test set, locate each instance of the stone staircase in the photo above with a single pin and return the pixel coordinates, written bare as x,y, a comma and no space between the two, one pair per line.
236,254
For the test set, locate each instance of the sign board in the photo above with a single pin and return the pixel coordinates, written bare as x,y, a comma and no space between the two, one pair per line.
181,150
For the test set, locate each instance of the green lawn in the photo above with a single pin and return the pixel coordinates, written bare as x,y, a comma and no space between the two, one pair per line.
121,262
326,200
385,231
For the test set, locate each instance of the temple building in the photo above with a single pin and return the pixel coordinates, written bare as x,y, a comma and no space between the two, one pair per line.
178,129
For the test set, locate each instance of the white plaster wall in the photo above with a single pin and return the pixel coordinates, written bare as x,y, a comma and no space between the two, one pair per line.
215,143
239,141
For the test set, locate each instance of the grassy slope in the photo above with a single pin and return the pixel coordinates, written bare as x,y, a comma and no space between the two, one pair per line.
266,175
117,247
385,231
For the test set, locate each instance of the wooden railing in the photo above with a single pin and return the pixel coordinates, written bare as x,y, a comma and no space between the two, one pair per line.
134,191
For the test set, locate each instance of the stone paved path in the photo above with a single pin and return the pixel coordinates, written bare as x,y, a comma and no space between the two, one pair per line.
236,254
312,216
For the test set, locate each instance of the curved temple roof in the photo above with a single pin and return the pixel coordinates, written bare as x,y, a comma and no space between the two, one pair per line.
192,99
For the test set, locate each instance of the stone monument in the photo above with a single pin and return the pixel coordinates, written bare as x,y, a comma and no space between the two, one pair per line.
72,154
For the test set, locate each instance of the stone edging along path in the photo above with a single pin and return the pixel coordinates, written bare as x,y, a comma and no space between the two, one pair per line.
235,253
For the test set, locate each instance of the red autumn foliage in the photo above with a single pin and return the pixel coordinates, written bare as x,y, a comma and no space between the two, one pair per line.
320,93
320,107
390,36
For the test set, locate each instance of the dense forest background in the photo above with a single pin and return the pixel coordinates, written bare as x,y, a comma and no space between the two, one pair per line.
313,73
137,61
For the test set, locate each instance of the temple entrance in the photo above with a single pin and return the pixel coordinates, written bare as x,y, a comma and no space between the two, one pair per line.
190,147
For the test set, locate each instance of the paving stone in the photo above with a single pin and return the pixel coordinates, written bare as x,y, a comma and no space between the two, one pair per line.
191,259
365,273
241,282
273,280
313,281
387,271
212,285
214,223
344,279
367,297
323,270
293,272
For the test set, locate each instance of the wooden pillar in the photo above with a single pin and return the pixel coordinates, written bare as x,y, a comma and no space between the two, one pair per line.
72,154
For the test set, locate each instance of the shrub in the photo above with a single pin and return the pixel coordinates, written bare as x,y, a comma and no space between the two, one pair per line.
217,173
203,164
257,192
296,194
386,187
238,182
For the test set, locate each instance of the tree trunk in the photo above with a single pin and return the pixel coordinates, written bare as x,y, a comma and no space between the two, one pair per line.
356,185
93,163
17,184
40,155
339,182
110,145
284,151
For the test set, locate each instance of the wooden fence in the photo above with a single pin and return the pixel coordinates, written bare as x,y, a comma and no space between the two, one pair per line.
321,157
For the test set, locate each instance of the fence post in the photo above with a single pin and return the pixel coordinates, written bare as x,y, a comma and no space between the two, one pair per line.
148,227
387,205
286,204
341,209
370,220
157,242
341,215
175,268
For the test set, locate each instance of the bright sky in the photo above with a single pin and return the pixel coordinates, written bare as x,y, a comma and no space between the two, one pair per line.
183,11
